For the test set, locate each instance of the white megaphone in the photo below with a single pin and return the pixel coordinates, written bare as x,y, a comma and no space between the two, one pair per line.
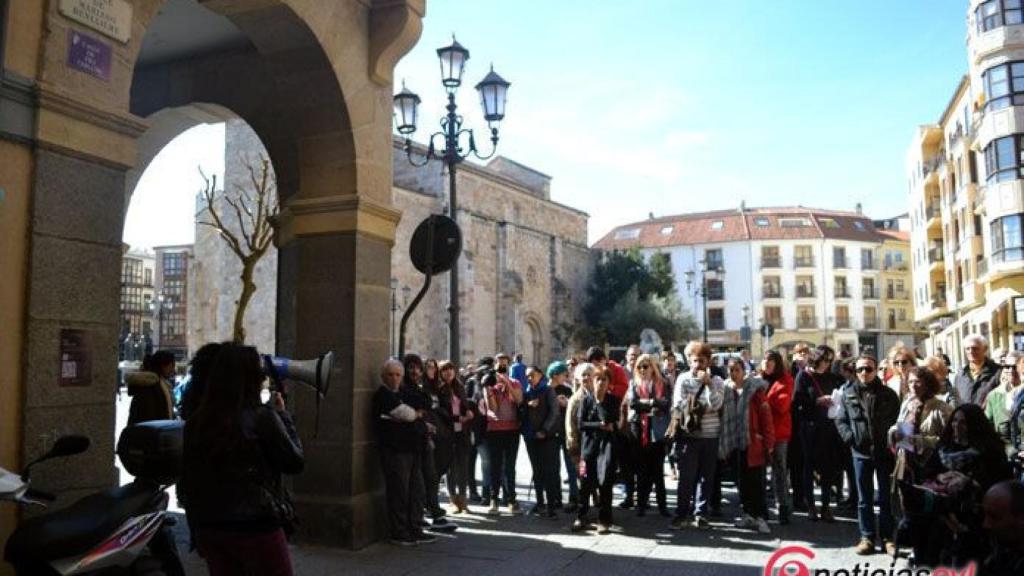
315,373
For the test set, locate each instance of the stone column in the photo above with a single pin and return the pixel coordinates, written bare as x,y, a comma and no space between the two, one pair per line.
334,294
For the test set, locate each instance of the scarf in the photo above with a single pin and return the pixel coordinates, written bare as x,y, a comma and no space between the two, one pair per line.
644,393
958,460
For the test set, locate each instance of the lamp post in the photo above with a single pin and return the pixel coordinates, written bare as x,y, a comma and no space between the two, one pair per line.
493,90
746,327
702,288
163,303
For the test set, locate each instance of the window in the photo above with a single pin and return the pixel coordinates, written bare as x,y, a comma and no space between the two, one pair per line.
868,288
840,287
1003,159
773,315
716,289
174,264
1007,239
762,222
867,259
771,287
666,230
627,234
1004,85
148,277
770,257
794,222
997,13
804,286
803,256
805,317
717,225
842,317
828,222
838,257
716,319
713,259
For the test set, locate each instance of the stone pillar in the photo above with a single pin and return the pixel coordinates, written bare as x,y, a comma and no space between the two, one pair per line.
334,294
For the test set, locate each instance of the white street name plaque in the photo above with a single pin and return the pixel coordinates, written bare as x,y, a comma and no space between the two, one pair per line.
110,17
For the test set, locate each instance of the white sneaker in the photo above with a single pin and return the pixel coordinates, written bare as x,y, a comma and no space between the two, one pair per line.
746,521
762,526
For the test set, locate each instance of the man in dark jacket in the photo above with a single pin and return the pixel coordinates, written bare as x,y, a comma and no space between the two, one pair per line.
398,442
981,374
413,393
867,410
540,431
1004,520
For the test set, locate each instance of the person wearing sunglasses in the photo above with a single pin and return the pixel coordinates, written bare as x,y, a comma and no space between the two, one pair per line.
979,376
867,409
650,404
901,361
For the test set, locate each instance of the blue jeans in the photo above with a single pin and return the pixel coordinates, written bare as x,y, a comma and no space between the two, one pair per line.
698,458
866,470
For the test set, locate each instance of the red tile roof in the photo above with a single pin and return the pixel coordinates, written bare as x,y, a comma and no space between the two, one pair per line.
737,226
902,236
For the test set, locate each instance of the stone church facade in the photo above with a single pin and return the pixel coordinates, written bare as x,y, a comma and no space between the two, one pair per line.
523,271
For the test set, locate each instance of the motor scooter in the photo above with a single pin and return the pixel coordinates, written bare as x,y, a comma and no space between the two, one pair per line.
123,530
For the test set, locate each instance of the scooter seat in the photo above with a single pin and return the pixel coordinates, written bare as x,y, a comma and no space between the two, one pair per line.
74,530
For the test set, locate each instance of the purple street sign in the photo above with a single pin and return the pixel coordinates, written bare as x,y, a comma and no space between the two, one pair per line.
89,55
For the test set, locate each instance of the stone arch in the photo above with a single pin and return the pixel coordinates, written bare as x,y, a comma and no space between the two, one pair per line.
313,79
534,344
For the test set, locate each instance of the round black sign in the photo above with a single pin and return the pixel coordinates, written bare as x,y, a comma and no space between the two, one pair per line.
767,330
436,245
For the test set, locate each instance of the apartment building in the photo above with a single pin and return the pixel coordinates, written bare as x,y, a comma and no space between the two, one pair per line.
137,293
813,275
967,194
170,302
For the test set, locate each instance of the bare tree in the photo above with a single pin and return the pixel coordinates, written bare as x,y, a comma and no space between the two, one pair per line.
243,218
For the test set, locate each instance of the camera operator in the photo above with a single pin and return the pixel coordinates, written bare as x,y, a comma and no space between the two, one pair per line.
235,451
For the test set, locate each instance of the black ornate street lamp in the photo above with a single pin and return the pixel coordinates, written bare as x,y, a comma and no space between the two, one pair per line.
493,90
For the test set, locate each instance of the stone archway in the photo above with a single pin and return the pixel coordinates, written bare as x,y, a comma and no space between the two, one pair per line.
533,344
313,79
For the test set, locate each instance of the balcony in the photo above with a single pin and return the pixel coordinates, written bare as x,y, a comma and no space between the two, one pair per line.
900,266
806,322
936,261
771,262
871,323
939,301
716,294
803,262
842,322
933,217
805,291
897,295
870,293
868,264
771,292
842,292
930,167
839,263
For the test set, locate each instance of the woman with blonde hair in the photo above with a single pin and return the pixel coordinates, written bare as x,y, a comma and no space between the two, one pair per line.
937,365
901,361
650,403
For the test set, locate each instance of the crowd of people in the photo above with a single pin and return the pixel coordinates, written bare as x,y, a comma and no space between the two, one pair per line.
928,460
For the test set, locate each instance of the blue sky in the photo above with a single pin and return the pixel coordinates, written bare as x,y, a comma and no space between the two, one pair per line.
673,106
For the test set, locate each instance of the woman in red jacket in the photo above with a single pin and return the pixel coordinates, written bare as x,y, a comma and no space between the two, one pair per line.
780,399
